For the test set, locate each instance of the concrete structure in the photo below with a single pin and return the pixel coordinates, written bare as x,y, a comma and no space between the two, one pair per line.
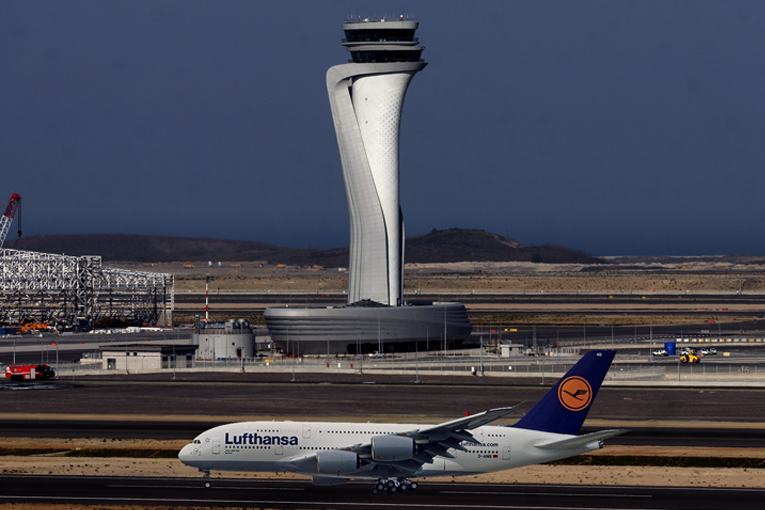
367,96
352,329
511,350
68,291
142,357
233,339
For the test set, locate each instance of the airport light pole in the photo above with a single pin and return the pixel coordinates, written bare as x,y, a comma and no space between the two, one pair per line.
416,362
481,354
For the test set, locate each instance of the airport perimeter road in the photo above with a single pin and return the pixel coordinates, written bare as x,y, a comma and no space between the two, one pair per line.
178,492
186,430
232,396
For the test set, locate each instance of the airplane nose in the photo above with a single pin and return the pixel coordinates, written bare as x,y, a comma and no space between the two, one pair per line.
186,453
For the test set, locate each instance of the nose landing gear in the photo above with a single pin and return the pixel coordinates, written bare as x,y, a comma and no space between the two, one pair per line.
207,483
393,486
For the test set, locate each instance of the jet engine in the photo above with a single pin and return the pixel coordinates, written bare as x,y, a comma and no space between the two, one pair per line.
336,462
393,448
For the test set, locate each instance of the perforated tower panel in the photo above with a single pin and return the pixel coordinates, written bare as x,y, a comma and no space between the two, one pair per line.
367,98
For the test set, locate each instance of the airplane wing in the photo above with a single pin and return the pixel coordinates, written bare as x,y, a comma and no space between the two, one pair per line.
435,441
429,442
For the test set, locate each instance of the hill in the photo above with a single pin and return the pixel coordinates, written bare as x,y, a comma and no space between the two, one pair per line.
451,245
459,245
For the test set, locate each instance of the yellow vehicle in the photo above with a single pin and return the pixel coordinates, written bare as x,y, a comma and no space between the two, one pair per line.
690,356
32,327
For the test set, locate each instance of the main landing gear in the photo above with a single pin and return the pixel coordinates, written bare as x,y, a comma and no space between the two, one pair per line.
393,486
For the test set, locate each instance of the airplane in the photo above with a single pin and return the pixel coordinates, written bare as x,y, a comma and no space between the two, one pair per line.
392,454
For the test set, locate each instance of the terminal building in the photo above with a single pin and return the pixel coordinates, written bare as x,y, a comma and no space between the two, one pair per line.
366,96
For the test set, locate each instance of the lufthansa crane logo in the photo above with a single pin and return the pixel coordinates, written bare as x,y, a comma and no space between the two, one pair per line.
575,393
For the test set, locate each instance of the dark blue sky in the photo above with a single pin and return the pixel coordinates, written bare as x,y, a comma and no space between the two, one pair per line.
614,127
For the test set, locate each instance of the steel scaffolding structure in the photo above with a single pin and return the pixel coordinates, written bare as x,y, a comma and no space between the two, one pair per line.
71,291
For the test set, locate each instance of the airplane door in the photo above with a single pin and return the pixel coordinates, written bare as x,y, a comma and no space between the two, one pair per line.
306,432
278,450
478,434
216,447
505,453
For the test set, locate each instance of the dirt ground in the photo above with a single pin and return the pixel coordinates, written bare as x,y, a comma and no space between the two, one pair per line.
588,475
465,277
463,280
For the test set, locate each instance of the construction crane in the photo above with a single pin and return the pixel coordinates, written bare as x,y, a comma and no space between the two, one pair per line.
10,211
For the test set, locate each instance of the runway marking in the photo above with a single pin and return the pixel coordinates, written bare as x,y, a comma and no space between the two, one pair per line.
552,494
324,504
219,487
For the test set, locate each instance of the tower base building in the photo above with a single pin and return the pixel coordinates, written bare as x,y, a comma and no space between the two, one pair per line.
366,328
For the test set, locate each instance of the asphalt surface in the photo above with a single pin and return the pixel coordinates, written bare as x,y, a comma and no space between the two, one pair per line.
181,408
157,407
303,495
317,395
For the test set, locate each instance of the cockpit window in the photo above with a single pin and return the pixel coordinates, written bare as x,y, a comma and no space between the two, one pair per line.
197,441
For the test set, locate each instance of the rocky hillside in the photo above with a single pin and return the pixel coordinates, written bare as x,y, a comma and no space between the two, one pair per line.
452,245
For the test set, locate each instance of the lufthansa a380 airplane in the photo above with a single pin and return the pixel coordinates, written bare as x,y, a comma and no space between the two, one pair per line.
392,454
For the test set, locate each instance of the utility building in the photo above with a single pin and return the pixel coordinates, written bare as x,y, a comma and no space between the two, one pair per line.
143,357
233,339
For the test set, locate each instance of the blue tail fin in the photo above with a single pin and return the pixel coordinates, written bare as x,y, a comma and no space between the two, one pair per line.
563,409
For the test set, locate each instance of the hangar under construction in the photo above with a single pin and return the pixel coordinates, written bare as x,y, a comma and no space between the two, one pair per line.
78,292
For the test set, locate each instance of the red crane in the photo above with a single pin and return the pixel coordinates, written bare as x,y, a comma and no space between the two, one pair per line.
7,217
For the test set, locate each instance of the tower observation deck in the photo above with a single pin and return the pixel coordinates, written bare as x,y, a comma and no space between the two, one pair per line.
382,41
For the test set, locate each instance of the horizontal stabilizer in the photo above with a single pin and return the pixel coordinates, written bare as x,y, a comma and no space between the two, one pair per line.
577,441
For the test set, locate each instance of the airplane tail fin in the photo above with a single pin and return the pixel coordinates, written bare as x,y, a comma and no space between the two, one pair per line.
563,409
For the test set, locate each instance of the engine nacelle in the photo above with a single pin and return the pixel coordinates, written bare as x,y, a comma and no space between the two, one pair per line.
393,448
336,462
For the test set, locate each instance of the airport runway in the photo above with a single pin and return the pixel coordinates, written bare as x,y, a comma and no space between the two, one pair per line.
358,397
187,430
302,495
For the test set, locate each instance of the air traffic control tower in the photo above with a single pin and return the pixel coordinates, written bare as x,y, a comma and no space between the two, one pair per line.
367,97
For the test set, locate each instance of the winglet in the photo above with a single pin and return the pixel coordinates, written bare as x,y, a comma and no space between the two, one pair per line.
562,410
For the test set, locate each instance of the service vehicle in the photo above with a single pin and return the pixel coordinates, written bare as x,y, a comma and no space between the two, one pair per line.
29,372
660,352
690,356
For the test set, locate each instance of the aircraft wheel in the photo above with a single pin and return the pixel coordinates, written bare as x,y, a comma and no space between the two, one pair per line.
391,484
392,491
380,486
375,491
208,485
401,488
413,486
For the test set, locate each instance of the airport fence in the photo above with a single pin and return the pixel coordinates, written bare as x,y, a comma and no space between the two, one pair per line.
628,370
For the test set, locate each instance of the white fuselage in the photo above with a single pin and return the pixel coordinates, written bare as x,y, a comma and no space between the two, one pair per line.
275,446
